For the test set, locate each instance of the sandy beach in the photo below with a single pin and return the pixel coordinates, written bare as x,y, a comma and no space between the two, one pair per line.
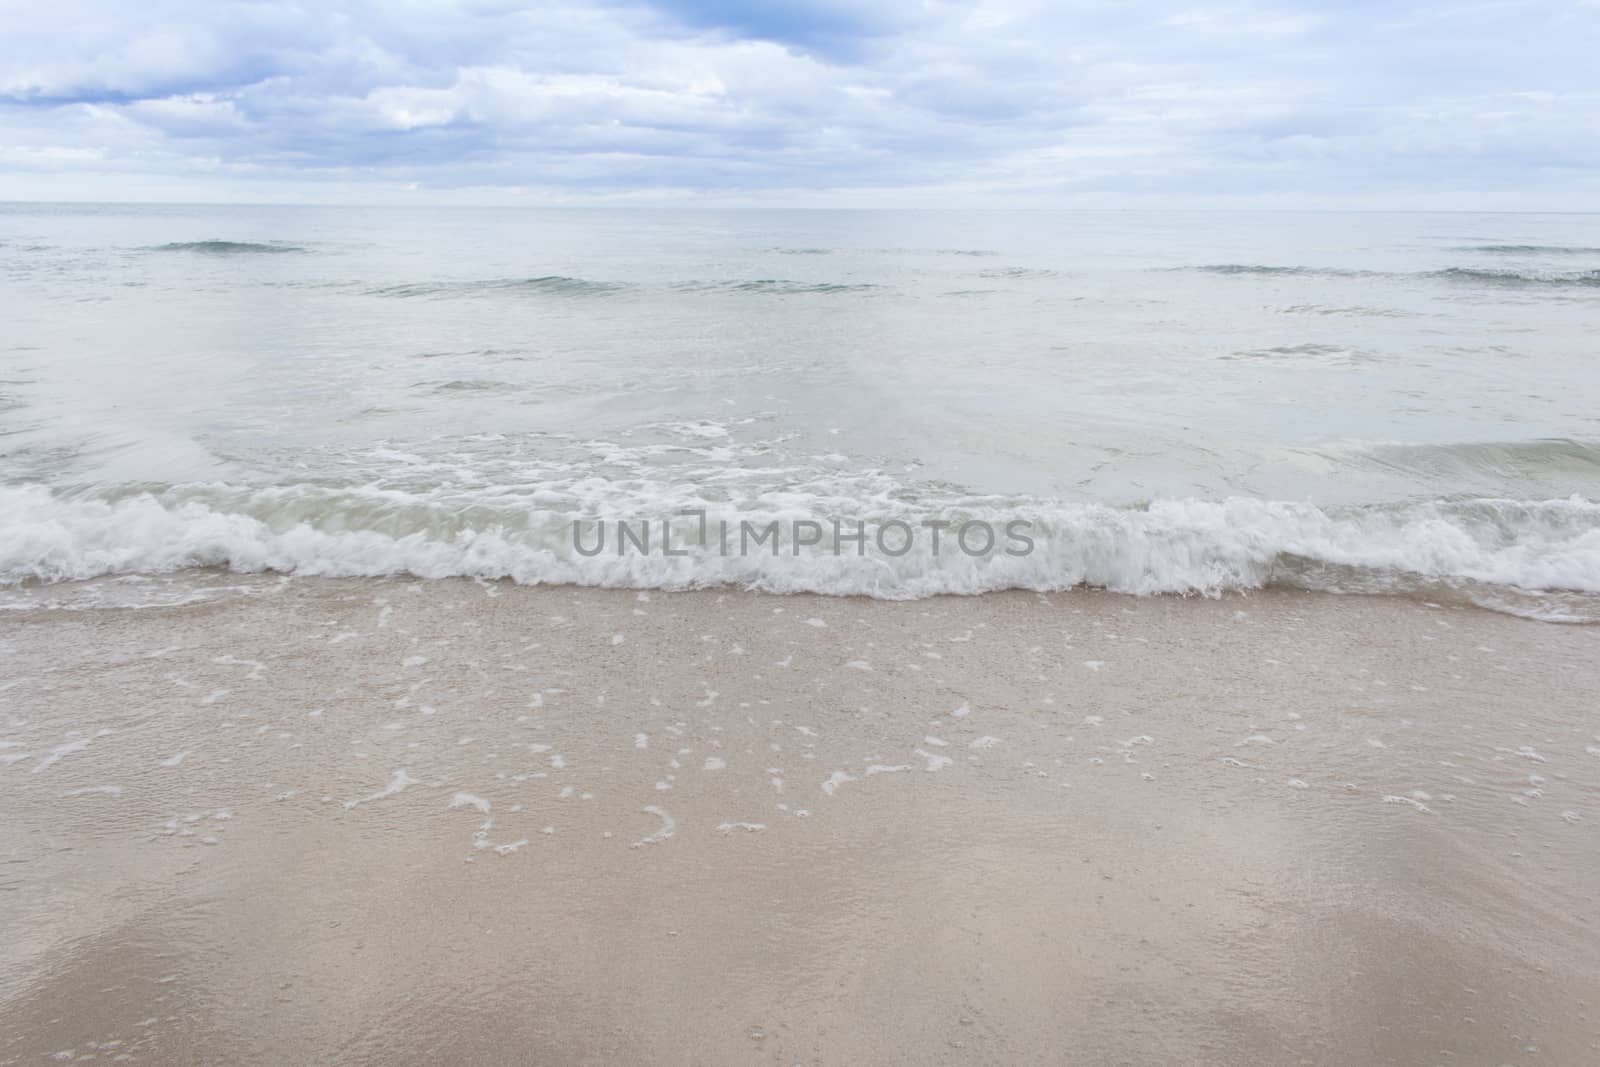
392,821
810,535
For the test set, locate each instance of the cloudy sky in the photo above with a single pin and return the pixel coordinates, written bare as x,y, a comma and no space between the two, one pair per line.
1361,103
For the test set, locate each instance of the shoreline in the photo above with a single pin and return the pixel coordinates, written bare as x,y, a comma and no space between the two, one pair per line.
308,822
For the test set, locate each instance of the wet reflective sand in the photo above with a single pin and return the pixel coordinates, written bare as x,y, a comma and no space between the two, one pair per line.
388,822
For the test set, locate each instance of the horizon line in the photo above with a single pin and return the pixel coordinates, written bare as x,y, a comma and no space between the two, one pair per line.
703,205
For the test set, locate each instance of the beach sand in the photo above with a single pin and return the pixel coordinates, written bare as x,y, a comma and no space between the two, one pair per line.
394,821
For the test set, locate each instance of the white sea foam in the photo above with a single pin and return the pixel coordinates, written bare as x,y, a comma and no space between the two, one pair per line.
1169,546
65,749
665,830
835,780
398,782
470,800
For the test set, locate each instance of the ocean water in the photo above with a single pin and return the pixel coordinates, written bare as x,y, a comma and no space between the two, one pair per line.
1169,402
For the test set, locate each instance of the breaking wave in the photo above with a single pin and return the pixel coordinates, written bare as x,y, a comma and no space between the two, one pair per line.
1491,550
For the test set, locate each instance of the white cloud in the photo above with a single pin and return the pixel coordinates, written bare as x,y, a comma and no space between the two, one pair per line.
1165,101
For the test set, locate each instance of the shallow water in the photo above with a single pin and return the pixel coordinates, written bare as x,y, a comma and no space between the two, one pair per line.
1176,401
403,821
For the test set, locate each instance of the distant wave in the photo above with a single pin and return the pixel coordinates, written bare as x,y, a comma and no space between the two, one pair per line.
566,286
405,292
230,248
1019,273
1269,269
1534,552
1533,250
781,286
1355,310
1476,275
1513,278
1309,354
554,284
468,386
475,353
804,251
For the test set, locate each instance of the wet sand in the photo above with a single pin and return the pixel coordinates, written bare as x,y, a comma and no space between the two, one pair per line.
364,821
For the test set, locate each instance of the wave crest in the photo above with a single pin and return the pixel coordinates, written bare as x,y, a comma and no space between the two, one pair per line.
1270,269
1169,546
553,284
1584,278
230,248
1534,250
777,286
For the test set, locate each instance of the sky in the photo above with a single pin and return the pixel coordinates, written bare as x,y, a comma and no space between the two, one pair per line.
1370,104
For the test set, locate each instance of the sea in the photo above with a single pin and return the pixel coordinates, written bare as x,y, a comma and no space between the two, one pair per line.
1153,402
